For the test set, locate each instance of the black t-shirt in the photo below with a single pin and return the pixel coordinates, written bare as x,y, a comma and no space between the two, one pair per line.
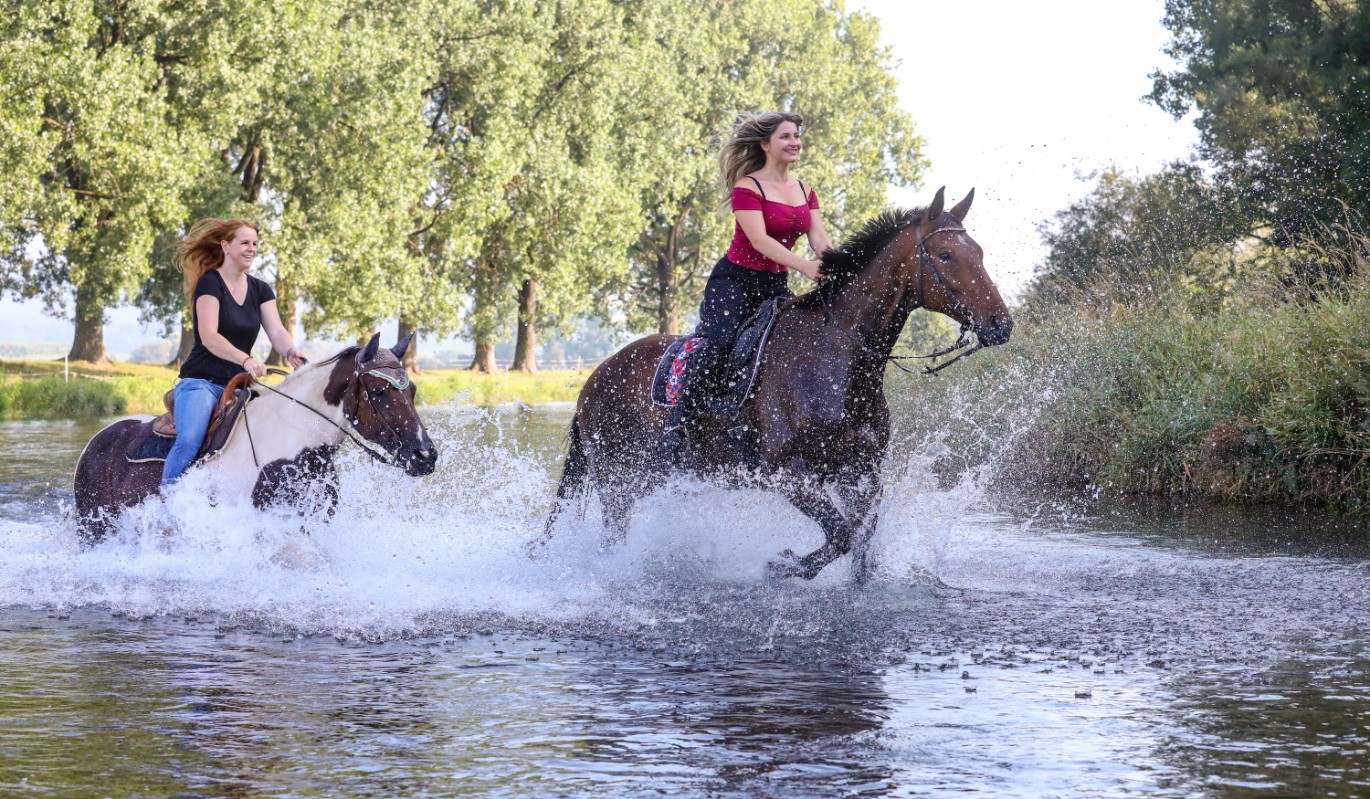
237,323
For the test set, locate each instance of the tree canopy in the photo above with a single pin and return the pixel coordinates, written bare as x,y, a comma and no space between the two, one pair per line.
1280,93
476,166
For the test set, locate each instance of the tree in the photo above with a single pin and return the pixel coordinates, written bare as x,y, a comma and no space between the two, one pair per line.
99,142
1282,94
795,55
1133,237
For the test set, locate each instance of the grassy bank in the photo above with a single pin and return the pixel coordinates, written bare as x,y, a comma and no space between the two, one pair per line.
1267,399
42,389
39,389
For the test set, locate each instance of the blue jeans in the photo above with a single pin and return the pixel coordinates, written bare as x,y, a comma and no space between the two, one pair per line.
193,405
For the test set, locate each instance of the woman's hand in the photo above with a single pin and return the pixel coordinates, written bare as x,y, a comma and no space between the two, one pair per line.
294,358
254,367
813,270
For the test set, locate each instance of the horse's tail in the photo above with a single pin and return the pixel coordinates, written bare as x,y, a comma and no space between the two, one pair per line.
574,474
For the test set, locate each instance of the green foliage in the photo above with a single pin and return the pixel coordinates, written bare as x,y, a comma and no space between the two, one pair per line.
442,387
792,55
31,389
1266,398
419,158
1136,236
1282,94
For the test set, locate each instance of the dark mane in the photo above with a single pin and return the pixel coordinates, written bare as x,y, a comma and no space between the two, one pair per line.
847,261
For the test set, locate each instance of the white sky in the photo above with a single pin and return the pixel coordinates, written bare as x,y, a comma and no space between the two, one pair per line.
1021,101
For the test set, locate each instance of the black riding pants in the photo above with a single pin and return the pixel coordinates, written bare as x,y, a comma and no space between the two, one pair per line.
731,296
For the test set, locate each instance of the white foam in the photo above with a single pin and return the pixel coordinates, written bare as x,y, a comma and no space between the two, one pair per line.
402,552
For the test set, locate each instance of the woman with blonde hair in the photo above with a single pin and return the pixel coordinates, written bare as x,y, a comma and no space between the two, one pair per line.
228,308
773,209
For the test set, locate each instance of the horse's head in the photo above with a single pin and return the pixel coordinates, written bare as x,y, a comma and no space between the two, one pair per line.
377,397
952,276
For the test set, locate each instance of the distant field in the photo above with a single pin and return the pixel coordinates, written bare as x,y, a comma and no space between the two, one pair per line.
41,388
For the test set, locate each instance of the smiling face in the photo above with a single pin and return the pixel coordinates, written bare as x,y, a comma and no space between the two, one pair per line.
784,145
241,251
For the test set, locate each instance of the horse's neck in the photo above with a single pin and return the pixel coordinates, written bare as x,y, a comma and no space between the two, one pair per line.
294,417
874,305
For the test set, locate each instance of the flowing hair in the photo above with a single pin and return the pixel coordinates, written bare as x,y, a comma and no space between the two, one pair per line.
199,252
742,152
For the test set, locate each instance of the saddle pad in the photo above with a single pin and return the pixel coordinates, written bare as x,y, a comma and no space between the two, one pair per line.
670,372
157,445
152,448
744,364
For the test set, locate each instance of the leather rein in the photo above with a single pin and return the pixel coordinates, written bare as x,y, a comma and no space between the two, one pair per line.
387,460
926,264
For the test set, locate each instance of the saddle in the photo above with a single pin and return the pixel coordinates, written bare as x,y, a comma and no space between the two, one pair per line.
744,364
157,446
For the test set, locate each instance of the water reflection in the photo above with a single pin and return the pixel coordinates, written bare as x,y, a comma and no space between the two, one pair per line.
159,707
1112,649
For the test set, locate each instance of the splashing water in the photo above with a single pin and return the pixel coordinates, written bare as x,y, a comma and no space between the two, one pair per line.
405,556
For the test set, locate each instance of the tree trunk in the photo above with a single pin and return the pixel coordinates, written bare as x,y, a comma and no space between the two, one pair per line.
485,358
186,345
668,280
668,307
411,355
88,343
485,311
525,344
285,304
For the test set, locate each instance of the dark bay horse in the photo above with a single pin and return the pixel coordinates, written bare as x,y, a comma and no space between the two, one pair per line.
281,448
818,408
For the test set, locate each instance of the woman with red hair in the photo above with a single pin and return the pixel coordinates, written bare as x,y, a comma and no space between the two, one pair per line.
228,308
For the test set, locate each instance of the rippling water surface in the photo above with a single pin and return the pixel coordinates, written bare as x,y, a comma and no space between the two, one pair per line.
1008,648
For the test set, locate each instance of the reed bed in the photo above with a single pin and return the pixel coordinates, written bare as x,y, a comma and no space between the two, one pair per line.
1264,398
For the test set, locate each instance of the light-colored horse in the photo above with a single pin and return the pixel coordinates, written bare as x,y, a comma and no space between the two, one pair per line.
281,446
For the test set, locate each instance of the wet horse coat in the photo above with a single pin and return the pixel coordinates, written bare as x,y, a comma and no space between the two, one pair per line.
818,417
282,445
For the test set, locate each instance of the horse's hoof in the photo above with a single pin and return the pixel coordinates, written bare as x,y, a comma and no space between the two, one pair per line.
792,566
294,557
776,570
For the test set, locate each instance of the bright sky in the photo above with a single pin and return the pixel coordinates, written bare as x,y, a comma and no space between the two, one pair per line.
1021,101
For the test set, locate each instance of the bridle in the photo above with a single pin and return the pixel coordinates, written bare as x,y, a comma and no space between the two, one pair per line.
926,264
401,384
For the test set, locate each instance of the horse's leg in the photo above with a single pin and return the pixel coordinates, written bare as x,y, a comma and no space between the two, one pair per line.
807,494
862,498
616,506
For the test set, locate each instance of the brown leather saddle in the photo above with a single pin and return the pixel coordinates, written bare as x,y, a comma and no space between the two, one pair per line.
235,397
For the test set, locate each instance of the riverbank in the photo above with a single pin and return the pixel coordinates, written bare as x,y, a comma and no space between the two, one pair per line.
1264,399
45,389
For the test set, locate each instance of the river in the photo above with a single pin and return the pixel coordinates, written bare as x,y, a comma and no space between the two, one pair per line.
1008,647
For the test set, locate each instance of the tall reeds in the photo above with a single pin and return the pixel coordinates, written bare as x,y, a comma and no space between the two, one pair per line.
1262,395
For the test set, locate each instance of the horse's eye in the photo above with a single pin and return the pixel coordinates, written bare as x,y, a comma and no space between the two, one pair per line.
944,256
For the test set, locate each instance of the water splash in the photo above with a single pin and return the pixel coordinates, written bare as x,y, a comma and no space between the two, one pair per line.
406,556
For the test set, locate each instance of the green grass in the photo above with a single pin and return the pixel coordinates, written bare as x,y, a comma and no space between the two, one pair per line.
1258,401
38,389
443,386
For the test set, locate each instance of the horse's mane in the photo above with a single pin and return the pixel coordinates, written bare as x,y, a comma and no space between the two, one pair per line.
847,261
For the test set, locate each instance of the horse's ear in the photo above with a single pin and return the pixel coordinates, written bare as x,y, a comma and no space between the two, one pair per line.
369,354
401,348
958,212
935,210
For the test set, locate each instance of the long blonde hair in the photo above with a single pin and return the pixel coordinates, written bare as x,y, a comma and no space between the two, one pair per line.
199,252
742,152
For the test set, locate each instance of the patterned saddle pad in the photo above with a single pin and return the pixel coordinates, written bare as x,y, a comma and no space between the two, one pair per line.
744,364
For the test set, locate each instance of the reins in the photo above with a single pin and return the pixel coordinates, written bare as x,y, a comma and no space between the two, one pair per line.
355,439
962,341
